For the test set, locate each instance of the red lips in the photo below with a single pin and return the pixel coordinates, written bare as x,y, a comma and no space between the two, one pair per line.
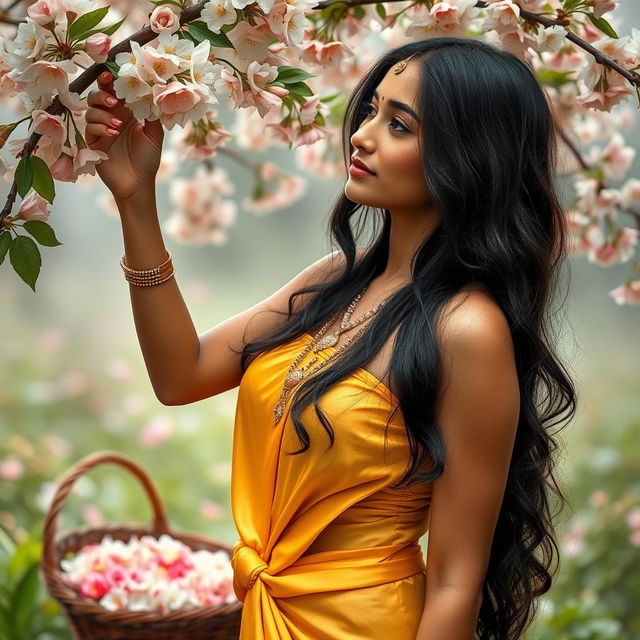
358,163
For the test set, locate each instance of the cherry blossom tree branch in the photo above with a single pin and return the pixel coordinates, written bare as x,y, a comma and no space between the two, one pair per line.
530,16
12,21
586,167
14,4
82,82
190,14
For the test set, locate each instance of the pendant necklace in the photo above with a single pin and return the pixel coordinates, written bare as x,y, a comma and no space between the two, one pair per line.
320,341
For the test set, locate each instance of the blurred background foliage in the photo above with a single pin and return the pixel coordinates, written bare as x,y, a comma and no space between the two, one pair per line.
73,381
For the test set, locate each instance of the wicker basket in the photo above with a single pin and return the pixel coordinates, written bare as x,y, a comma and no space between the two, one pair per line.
89,620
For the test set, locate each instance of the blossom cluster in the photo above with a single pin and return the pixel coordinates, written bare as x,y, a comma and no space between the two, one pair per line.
149,574
248,54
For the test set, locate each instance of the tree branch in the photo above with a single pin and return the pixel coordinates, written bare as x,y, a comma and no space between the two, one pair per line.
586,167
193,13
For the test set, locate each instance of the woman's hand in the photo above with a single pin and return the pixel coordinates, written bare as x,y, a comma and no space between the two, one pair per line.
134,149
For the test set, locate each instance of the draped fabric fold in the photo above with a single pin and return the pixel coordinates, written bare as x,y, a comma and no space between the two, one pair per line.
327,548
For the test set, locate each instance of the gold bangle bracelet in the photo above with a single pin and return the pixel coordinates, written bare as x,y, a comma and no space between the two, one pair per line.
142,272
148,277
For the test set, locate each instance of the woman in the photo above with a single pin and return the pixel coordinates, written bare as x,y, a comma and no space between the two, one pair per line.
404,386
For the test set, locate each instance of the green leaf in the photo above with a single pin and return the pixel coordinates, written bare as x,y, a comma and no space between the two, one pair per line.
109,31
25,599
26,552
358,12
24,176
553,78
42,232
570,5
87,22
113,67
175,3
5,242
201,32
300,89
5,621
26,260
381,11
42,179
288,75
603,25
185,35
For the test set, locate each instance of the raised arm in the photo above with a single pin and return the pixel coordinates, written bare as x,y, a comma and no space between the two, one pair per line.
212,365
183,367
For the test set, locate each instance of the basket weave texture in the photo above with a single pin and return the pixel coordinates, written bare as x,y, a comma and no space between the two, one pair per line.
88,620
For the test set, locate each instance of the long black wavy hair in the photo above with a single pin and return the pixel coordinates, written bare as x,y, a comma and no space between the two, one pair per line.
489,154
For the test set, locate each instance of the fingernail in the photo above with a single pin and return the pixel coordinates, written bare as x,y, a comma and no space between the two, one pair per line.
116,122
111,101
113,132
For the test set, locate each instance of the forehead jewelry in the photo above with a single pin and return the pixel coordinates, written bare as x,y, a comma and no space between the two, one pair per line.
399,68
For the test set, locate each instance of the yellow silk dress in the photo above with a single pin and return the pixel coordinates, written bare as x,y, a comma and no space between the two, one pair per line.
326,550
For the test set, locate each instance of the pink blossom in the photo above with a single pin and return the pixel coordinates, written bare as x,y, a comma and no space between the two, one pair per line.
62,169
614,251
95,585
311,134
634,538
265,101
43,12
98,46
92,515
603,6
633,518
177,97
11,468
449,17
164,19
617,157
230,83
599,498
628,293
574,538
86,159
52,339
155,432
34,207
331,54
210,510
48,125
630,192
503,16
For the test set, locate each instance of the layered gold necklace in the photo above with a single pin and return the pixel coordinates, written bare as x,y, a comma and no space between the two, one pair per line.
320,341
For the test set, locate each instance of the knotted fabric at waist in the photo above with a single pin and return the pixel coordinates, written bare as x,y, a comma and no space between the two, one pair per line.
326,570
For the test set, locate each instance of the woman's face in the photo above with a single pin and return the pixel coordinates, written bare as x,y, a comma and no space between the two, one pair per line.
387,142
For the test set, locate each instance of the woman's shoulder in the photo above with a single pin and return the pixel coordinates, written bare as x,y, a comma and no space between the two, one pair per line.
472,314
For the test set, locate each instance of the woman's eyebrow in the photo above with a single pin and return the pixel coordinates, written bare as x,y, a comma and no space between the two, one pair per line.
400,105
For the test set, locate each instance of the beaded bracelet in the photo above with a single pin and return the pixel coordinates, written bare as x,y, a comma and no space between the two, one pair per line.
148,277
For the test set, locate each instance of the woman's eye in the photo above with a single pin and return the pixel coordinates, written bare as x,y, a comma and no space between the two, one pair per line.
367,110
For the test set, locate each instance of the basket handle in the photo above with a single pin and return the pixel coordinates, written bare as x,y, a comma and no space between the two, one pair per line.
65,484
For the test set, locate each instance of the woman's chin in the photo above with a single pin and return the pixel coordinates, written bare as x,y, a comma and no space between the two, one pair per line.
357,195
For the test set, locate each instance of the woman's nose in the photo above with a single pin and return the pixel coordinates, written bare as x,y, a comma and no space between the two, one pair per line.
362,138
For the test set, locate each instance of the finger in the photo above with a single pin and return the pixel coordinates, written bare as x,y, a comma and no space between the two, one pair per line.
105,80
100,116
105,84
97,134
119,109
99,97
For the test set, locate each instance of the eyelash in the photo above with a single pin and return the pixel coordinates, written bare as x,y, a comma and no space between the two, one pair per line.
367,106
